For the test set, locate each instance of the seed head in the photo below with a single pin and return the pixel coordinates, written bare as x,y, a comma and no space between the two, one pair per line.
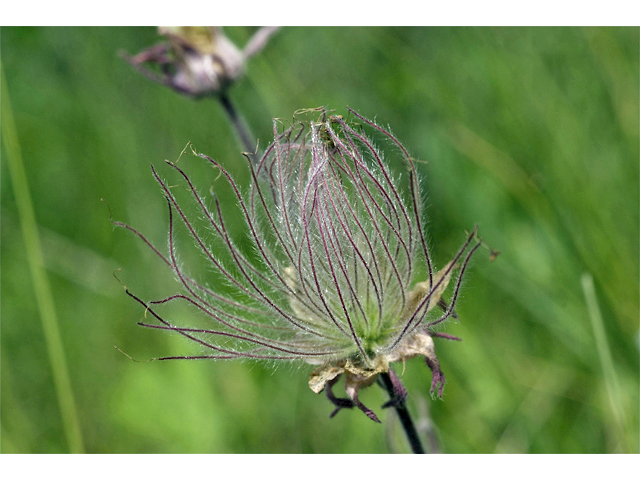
339,275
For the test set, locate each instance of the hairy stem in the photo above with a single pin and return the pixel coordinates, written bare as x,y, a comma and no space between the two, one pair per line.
405,416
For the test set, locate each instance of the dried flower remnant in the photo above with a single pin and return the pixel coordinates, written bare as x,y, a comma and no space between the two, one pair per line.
197,61
340,275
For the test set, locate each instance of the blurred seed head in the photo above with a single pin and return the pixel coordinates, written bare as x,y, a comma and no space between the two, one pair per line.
197,61
338,275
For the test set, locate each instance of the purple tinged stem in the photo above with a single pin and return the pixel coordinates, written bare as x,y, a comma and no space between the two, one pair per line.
196,237
180,296
319,289
337,247
412,323
457,289
385,172
238,337
184,277
377,287
359,166
338,289
414,186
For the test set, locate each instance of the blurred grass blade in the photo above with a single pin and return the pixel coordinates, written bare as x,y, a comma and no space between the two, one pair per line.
41,286
604,354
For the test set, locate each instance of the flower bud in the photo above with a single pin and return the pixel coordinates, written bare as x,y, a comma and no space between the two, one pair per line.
197,61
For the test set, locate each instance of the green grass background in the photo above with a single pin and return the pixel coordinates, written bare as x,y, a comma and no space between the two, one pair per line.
532,133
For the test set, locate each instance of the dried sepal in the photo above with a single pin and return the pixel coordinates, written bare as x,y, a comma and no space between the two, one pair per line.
357,375
425,289
322,375
355,378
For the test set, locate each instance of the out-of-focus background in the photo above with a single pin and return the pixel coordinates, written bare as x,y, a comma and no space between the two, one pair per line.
532,133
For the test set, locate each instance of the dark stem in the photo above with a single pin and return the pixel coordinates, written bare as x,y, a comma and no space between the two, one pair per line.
403,413
237,122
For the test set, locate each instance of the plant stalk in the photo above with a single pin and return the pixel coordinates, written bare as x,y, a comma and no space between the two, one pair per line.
609,375
41,286
404,415
238,124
